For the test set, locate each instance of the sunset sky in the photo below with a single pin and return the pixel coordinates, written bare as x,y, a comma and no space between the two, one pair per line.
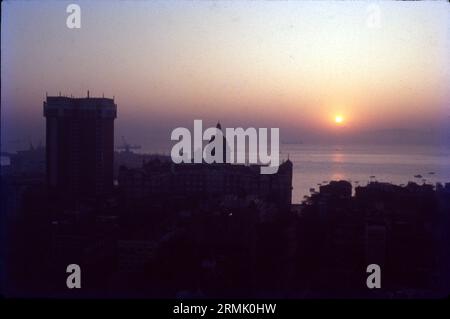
293,65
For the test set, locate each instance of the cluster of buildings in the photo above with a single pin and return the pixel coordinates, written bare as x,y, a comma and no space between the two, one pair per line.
158,179
80,161
403,229
119,215
144,224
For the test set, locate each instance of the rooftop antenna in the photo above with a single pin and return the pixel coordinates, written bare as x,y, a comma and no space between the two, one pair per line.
59,93
88,93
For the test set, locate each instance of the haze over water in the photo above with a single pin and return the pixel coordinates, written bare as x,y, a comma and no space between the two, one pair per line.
314,164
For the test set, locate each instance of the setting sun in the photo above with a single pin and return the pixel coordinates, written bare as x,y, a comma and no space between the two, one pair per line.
339,119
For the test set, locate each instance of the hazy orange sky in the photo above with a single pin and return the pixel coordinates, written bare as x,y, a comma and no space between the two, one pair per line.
294,65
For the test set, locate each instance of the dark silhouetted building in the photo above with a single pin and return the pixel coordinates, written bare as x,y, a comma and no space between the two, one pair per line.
164,179
80,144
